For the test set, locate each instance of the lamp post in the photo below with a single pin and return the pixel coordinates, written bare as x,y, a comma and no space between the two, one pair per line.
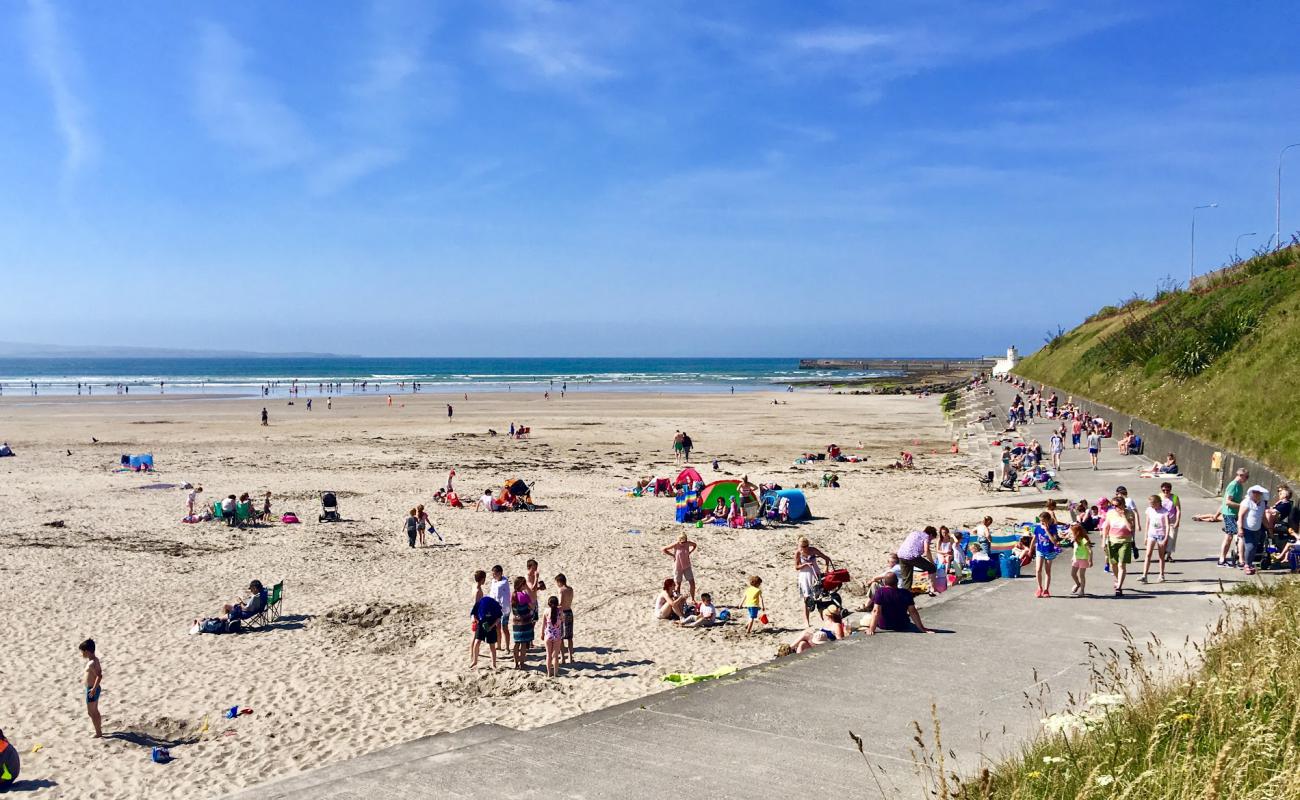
1192,272
1235,254
1278,232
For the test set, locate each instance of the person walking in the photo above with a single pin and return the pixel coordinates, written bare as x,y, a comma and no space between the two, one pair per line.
1094,447
1117,535
265,421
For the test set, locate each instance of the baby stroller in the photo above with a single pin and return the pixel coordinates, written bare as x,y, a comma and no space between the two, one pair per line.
827,595
329,508
1011,481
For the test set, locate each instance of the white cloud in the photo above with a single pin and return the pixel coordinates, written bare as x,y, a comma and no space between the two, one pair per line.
57,62
841,40
561,42
241,109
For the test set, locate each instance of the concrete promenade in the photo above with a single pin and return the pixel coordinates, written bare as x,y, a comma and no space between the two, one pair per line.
782,729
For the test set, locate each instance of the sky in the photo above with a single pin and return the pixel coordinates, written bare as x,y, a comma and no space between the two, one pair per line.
667,178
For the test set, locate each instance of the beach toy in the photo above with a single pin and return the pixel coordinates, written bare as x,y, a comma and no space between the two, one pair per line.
699,523
724,615
763,619
232,712
161,755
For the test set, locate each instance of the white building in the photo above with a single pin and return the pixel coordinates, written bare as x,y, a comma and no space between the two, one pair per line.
1007,364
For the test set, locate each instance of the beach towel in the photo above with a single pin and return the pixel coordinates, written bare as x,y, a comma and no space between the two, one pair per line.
686,678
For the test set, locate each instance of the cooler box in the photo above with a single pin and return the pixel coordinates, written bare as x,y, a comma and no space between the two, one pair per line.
984,571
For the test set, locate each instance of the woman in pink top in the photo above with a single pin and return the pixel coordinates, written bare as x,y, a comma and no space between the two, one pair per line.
1117,534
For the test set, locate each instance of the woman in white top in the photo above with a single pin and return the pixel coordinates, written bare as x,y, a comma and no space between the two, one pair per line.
1157,536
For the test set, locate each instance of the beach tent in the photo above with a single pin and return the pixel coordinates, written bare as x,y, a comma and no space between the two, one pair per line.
798,503
724,489
689,476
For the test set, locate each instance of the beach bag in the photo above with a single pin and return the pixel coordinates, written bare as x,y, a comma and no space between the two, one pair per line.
835,579
1009,565
212,625
289,518
939,583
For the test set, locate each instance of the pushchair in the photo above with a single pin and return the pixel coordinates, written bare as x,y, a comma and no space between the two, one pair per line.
329,508
1011,481
522,494
827,593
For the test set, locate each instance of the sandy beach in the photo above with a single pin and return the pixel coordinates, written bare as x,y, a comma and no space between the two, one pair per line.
126,571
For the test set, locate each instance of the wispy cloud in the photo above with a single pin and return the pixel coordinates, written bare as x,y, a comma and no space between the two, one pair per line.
560,42
241,108
939,35
397,86
56,60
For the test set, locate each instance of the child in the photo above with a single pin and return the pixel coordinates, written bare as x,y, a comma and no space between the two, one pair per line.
566,609
735,518
1024,550
522,621
680,552
1047,546
412,526
703,616
553,635
1082,559
500,592
1157,536
754,601
93,684
945,548
977,552
421,522
487,616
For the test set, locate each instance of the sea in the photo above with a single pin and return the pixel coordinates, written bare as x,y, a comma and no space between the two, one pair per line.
256,377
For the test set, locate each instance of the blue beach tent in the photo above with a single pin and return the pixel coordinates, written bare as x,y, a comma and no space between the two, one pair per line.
798,503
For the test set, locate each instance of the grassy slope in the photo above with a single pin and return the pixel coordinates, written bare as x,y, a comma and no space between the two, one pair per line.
1228,731
1246,400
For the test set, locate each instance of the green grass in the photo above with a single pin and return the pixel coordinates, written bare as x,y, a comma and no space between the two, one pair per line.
1220,364
1230,730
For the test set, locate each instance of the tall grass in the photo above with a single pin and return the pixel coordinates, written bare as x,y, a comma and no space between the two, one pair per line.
1161,727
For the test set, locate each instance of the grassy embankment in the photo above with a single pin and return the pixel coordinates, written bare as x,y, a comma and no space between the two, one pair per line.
1221,363
1230,730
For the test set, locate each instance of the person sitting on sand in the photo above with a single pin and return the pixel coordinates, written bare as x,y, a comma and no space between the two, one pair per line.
894,609
892,568
704,616
453,499
487,502
720,509
669,604
832,630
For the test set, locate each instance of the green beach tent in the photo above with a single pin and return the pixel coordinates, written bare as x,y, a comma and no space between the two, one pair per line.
724,489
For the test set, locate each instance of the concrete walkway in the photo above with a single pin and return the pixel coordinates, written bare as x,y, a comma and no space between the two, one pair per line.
782,729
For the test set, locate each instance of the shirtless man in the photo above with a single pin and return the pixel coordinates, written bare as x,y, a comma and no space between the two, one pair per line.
566,610
681,554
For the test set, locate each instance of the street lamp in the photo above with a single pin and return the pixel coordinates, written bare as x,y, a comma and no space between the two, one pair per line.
1278,231
1236,255
1192,273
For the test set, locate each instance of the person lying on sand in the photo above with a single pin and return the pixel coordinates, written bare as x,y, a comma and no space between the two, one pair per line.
832,630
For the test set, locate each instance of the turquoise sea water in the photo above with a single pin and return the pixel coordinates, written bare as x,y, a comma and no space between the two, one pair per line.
247,376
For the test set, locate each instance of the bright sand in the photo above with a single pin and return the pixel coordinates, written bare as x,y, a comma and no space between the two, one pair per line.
126,571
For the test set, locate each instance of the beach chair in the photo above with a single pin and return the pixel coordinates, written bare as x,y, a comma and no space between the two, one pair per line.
986,480
271,612
244,512
216,510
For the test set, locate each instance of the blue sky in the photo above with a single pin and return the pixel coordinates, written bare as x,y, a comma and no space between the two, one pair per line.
614,178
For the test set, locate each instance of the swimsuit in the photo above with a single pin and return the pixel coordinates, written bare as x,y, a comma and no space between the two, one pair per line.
554,629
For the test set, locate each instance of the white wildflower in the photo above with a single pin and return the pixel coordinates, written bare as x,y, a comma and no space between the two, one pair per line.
1105,780
1053,760
1106,700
